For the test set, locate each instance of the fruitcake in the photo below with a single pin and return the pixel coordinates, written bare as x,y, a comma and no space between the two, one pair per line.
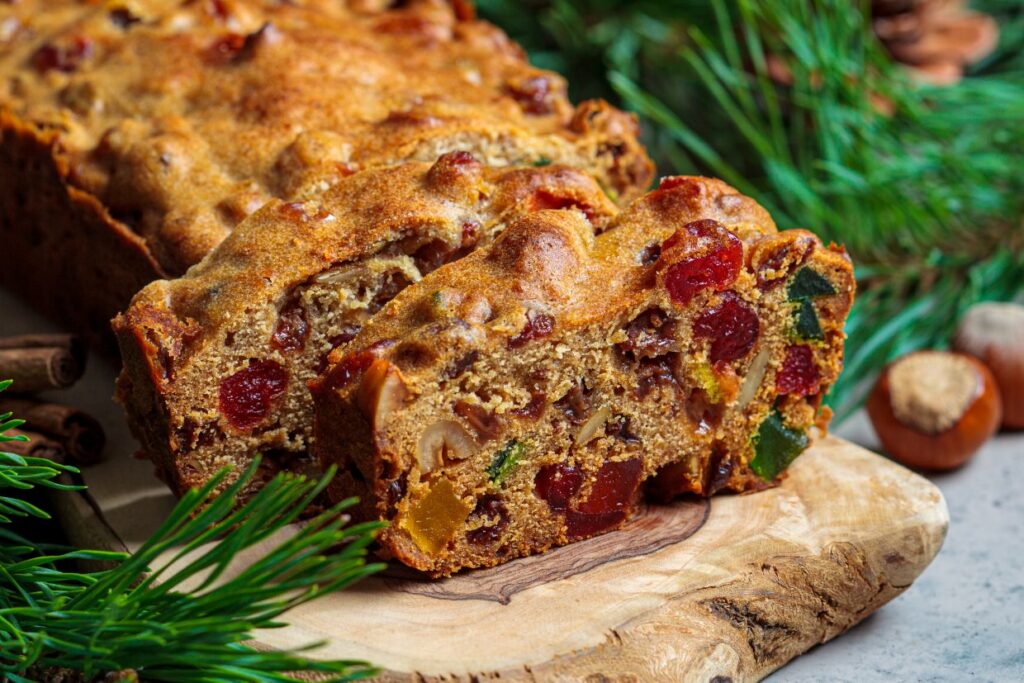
527,395
216,362
136,134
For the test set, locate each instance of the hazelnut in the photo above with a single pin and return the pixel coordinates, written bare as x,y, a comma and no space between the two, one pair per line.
443,440
994,333
382,390
934,409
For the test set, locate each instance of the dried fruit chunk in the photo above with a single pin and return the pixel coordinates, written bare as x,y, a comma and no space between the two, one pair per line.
486,424
246,396
292,329
649,334
775,447
505,460
808,284
433,520
807,326
65,57
538,325
701,255
557,484
799,375
491,507
610,499
732,327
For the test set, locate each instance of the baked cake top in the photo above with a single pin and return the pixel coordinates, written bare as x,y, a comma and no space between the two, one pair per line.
183,117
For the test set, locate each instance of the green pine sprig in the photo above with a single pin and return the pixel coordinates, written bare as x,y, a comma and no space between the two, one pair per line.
921,184
189,618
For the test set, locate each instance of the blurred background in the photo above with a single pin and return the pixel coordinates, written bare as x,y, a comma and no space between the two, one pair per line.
891,126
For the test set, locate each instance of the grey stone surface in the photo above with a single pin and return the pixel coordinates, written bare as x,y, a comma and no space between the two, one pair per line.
963,619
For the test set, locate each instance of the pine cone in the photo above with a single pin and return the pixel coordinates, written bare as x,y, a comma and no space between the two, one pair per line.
936,39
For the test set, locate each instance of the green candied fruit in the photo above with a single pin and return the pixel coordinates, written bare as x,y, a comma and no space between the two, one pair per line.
807,326
809,284
542,161
775,447
505,460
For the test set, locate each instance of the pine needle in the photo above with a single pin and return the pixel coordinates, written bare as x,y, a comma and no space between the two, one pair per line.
185,621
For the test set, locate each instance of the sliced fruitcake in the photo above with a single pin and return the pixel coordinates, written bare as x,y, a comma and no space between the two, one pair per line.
216,362
524,396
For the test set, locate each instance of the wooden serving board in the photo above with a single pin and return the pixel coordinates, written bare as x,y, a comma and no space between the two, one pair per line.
723,592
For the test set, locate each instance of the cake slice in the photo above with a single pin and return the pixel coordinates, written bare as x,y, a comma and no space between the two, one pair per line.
216,362
525,396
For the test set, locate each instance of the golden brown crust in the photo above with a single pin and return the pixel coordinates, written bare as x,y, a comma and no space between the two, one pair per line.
172,121
684,325
314,271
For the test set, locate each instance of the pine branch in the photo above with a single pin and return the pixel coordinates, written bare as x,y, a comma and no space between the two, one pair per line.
186,620
921,184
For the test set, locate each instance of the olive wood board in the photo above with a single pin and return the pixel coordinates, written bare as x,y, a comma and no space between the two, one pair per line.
726,591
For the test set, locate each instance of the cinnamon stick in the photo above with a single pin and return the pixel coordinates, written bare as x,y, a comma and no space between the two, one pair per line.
80,434
38,446
37,362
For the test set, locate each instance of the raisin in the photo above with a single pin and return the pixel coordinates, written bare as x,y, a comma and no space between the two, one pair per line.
393,284
705,413
557,484
611,496
534,408
649,334
246,396
66,57
534,94
486,424
701,255
618,426
575,403
493,509
538,325
650,254
544,199
775,257
718,471
461,365
347,334
732,326
396,491
351,366
655,372
799,374
292,329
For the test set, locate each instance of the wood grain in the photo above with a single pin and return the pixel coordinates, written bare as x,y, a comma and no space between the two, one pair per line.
766,577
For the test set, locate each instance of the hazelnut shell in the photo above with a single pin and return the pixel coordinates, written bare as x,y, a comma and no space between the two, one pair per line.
994,333
944,450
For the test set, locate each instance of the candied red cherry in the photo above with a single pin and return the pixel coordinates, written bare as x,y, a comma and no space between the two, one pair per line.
557,484
292,329
799,374
609,501
351,366
535,94
491,507
247,395
614,487
701,255
732,326
544,199
538,325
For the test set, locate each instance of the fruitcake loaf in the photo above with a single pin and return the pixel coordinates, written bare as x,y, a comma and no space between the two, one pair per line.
216,362
136,134
525,396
